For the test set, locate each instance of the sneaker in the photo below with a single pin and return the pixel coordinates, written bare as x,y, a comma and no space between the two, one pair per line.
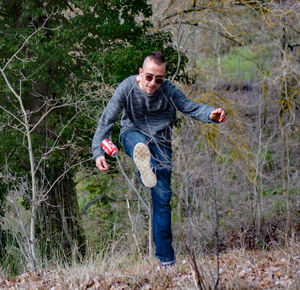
141,158
165,266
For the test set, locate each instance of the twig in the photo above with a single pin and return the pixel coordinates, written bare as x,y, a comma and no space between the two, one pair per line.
65,172
11,114
130,183
25,41
217,217
132,224
88,204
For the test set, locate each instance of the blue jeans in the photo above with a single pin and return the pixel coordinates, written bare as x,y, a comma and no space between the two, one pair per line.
161,193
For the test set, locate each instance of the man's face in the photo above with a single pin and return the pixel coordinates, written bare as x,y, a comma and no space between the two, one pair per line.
151,76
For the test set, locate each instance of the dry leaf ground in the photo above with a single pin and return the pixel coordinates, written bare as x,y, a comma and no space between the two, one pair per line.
239,269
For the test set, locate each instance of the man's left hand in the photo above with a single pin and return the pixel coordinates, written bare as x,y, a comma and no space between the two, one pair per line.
218,115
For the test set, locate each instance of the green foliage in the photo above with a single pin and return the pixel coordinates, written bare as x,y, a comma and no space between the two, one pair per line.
240,62
273,191
103,219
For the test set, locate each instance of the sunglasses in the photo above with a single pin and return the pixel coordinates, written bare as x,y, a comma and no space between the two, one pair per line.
149,78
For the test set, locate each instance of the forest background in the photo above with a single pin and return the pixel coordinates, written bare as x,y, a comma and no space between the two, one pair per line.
235,185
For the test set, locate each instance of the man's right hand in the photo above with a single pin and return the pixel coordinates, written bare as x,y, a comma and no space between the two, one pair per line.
101,163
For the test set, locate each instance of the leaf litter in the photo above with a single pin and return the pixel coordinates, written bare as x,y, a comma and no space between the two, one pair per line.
239,269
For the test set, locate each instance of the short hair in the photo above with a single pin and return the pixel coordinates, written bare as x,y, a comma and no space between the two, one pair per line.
156,56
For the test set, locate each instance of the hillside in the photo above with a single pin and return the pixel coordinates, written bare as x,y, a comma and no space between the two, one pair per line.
235,185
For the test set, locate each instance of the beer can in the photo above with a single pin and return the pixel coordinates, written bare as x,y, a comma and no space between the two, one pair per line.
109,147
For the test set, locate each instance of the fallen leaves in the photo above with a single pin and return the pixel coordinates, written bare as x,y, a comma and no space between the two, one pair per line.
29,280
276,269
262,269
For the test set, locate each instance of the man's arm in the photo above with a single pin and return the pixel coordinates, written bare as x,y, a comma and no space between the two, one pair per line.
107,120
200,112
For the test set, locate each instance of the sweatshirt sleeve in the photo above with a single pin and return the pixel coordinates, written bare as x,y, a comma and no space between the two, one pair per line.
108,118
185,105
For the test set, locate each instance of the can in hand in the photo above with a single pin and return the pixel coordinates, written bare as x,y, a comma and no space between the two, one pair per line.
109,147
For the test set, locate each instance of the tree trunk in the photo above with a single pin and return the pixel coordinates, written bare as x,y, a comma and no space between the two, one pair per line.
59,228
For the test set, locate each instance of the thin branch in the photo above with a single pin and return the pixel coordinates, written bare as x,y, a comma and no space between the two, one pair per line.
24,43
49,111
133,228
11,114
88,204
130,183
66,171
179,39
202,8
210,29
9,85
44,157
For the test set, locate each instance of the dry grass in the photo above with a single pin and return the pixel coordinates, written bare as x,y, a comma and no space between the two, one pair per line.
239,269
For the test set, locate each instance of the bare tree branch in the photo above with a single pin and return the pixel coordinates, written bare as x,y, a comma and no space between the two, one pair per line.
25,42
202,8
88,204
12,115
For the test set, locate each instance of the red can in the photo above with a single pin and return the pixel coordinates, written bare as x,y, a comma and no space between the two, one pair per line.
109,147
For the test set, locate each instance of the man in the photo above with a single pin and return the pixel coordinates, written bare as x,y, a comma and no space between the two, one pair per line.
149,103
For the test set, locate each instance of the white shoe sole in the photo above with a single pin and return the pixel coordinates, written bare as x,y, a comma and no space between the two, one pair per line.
141,158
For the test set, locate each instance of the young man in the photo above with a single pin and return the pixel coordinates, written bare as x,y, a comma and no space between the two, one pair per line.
149,103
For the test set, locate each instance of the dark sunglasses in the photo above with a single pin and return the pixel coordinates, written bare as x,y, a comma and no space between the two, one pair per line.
149,78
